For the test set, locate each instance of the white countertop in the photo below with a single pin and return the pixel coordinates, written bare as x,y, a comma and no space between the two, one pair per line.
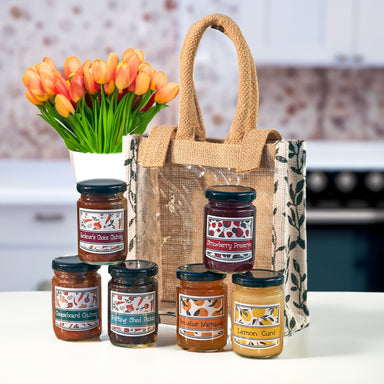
343,344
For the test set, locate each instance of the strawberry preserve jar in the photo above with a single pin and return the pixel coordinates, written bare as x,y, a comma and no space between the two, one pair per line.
102,221
201,309
76,299
229,228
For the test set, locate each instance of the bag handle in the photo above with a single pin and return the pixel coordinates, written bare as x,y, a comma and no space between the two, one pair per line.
191,125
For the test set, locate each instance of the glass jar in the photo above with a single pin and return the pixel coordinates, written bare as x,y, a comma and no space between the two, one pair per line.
258,313
102,221
76,299
132,304
229,228
201,309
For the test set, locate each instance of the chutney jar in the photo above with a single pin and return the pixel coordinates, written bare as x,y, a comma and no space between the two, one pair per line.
76,299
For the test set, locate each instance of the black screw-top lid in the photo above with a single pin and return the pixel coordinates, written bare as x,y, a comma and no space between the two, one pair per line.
101,186
197,272
258,278
72,264
133,269
236,193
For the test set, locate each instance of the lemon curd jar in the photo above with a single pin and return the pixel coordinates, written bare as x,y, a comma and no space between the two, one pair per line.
201,309
132,304
76,299
102,221
229,228
258,313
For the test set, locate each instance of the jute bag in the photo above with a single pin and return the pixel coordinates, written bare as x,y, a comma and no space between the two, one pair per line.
168,172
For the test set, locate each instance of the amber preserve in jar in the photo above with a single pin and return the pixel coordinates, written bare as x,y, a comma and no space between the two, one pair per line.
132,303
76,299
229,228
102,221
201,309
258,313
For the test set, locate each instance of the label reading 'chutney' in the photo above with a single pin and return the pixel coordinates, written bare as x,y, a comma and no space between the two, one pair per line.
201,318
256,326
77,309
133,314
101,231
229,240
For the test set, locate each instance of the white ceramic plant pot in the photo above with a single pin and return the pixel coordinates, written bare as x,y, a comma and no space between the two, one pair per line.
97,165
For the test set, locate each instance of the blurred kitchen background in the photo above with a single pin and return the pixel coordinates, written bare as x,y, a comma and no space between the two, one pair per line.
321,76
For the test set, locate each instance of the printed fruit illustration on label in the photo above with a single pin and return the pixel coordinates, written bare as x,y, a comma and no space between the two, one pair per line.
229,239
256,326
201,318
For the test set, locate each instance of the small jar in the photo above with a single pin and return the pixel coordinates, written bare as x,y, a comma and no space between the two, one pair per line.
76,299
258,313
201,309
102,221
132,304
229,228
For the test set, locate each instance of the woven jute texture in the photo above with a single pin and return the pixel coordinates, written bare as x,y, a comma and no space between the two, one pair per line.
169,171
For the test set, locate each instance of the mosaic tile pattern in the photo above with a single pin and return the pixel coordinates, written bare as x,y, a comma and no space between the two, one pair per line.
308,103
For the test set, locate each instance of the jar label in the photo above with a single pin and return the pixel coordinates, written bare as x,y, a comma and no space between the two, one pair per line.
101,231
77,309
228,239
133,314
201,317
256,326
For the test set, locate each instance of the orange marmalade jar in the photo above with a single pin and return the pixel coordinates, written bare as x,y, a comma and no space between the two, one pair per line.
102,221
76,299
201,309
258,313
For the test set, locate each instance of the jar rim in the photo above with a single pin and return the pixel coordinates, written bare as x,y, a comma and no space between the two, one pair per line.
72,264
134,269
258,278
235,193
101,186
197,272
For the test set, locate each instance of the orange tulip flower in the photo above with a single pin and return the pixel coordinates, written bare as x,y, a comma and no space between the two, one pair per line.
158,80
61,86
109,87
142,83
77,87
32,81
71,65
99,68
112,62
122,76
145,67
140,55
47,77
50,62
90,84
167,93
32,98
63,106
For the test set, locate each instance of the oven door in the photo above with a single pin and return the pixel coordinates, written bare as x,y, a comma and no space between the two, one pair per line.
345,250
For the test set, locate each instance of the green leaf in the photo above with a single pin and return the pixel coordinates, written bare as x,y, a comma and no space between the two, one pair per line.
299,198
292,245
296,170
275,211
280,248
293,289
281,159
305,309
276,185
301,220
296,305
294,279
291,193
299,186
301,242
287,298
296,266
292,323
291,147
131,244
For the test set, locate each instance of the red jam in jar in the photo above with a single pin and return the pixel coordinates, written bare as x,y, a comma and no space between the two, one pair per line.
229,228
76,299
102,221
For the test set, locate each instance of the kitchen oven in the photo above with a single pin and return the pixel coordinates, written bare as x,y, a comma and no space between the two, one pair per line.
345,216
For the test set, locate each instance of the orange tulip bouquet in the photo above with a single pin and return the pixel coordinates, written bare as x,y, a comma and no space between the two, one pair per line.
93,105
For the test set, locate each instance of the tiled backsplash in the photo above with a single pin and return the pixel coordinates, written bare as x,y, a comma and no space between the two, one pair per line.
309,103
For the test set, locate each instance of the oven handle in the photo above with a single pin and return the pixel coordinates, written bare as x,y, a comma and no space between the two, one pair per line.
345,216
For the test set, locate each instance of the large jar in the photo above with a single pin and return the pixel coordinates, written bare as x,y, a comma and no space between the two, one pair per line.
201,309
258,313
102,221
76,299
229,228
132,303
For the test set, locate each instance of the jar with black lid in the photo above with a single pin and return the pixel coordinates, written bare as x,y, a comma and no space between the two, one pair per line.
76,299
229,228
258,313
201,309
132,303
102,221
